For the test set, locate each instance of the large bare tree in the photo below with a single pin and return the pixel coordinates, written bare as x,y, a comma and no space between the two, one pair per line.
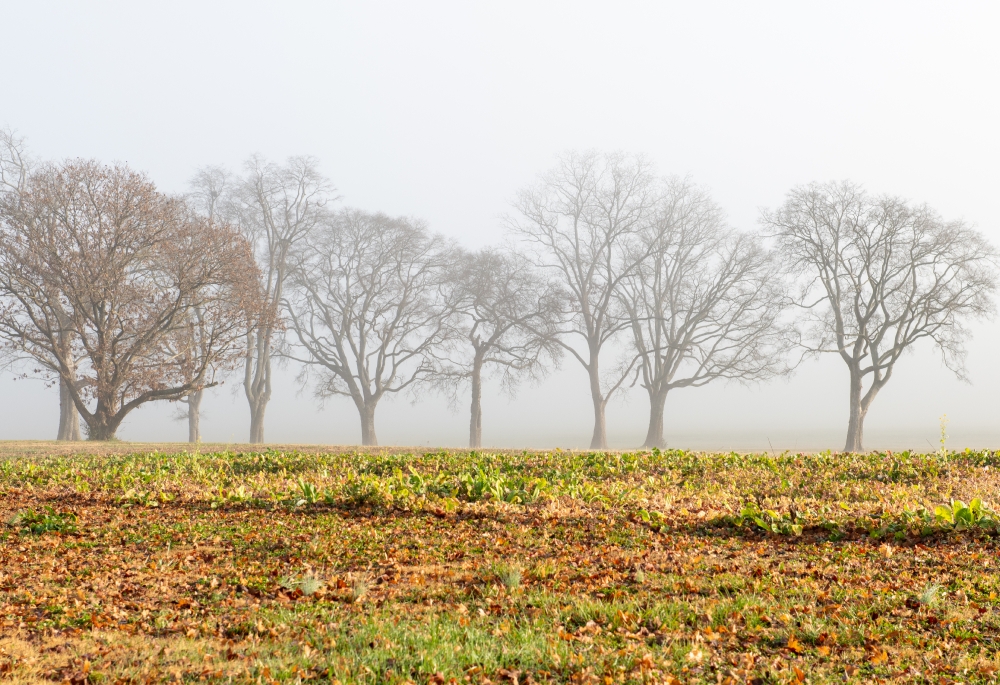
704,303
880,275
278,207
506,316
581,220
15,166
364,305
96,253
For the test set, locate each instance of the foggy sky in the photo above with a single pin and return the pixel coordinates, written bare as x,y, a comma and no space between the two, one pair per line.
444,110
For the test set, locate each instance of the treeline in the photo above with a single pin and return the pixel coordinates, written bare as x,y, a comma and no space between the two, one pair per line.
123,295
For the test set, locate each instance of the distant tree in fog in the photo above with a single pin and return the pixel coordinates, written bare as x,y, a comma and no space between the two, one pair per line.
879,275
207,197
364,304
704,302
15,165
190,343
506,316
14,161
581,221
96,255
278,208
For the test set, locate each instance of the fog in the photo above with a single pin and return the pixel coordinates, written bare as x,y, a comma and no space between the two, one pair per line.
444,111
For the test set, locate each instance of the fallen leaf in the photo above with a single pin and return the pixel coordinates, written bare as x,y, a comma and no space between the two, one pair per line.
510,675
878,657
794,645
696,655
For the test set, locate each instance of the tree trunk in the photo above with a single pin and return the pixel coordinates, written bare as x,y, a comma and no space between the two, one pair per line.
368,438
856,422
600,439
657,402
69,417
476,420
257,381
101,426
257,421
194,416
101,433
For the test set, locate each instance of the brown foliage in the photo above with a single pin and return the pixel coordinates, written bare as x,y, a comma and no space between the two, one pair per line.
102,275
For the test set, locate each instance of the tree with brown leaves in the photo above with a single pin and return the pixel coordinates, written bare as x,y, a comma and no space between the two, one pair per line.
15,165
95,255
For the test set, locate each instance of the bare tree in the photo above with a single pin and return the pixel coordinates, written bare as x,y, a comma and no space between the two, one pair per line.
191,344
97,253
278,208
582,219
208,192
14,161
704,302
15,166
507,314
364,304
207,196
878,276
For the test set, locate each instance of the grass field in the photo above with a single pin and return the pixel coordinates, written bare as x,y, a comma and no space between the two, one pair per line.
384,566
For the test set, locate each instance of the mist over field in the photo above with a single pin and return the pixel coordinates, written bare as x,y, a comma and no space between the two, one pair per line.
444,112
518,342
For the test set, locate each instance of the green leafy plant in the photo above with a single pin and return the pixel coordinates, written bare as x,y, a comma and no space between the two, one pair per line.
654,519
768,520
49,521
962,516
365,489
487,482
238,495
412,483
308,494
586,491
145,498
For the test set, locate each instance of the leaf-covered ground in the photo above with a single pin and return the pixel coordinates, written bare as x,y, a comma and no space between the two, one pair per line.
643,567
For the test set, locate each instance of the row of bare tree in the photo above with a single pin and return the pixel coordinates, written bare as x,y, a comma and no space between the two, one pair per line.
124,295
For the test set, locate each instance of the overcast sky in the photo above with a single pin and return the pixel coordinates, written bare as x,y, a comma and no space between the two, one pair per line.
443,110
